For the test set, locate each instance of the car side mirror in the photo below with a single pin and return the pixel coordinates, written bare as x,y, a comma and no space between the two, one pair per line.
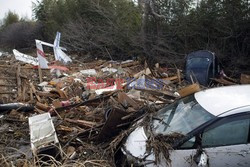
203,162
201,158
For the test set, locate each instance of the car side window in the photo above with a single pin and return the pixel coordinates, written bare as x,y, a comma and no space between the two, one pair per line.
226,133
188,144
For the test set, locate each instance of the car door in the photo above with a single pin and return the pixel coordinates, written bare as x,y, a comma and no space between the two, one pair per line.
226,142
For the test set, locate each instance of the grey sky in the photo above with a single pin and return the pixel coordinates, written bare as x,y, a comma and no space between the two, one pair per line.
22,7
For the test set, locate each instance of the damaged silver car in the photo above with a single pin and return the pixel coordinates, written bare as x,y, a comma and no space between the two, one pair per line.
208,128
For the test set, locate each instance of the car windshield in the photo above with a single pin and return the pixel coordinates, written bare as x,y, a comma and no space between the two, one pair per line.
183,116
198,63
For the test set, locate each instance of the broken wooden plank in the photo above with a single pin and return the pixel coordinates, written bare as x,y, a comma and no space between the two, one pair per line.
171,78
146,72
34,91
39,111
8,78
81,122
42,106
179,76
31,94
245,79
46,94
19,84
223,81
7,85
160,92
24,92
7,92
189,90
124,99
64,128
58,91
129,64
40,74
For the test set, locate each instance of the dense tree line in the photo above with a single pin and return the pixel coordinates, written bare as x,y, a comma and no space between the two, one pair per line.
160,29
99,27
18,33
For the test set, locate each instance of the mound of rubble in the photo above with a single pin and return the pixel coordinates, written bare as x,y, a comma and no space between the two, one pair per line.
79,114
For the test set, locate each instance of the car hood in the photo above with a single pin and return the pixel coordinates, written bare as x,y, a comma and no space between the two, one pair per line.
136,143
135,151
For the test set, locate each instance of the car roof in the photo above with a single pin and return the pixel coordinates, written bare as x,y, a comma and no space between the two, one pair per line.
223,99
201,54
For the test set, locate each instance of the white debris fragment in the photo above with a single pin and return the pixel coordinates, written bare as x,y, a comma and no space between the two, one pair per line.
43,84
59,54
41,55
127,61
42,132
89,72
108,89
110,70
25,58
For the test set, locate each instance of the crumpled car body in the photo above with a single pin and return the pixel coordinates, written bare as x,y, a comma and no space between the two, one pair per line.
201,66
215,129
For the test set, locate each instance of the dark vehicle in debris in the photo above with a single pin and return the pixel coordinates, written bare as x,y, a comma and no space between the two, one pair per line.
201,66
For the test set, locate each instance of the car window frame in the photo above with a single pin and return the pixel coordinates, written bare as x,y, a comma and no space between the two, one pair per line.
197,133
225,120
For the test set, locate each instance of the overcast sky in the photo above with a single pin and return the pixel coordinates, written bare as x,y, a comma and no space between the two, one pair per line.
21,7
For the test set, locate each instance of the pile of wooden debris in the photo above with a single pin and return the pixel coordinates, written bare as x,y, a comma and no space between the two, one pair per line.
92,106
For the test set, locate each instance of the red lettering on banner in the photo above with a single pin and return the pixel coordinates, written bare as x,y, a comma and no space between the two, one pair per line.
101,84
91,82
119,82
110,82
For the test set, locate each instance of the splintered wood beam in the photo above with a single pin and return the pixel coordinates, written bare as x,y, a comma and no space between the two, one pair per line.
19,84
179,76
189,90
2,93
8,78
31,94
40,74
7,85
34,91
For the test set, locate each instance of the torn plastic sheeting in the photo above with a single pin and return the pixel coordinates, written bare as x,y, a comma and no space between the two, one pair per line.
42,132
16,106
89,72
25,58
143,83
